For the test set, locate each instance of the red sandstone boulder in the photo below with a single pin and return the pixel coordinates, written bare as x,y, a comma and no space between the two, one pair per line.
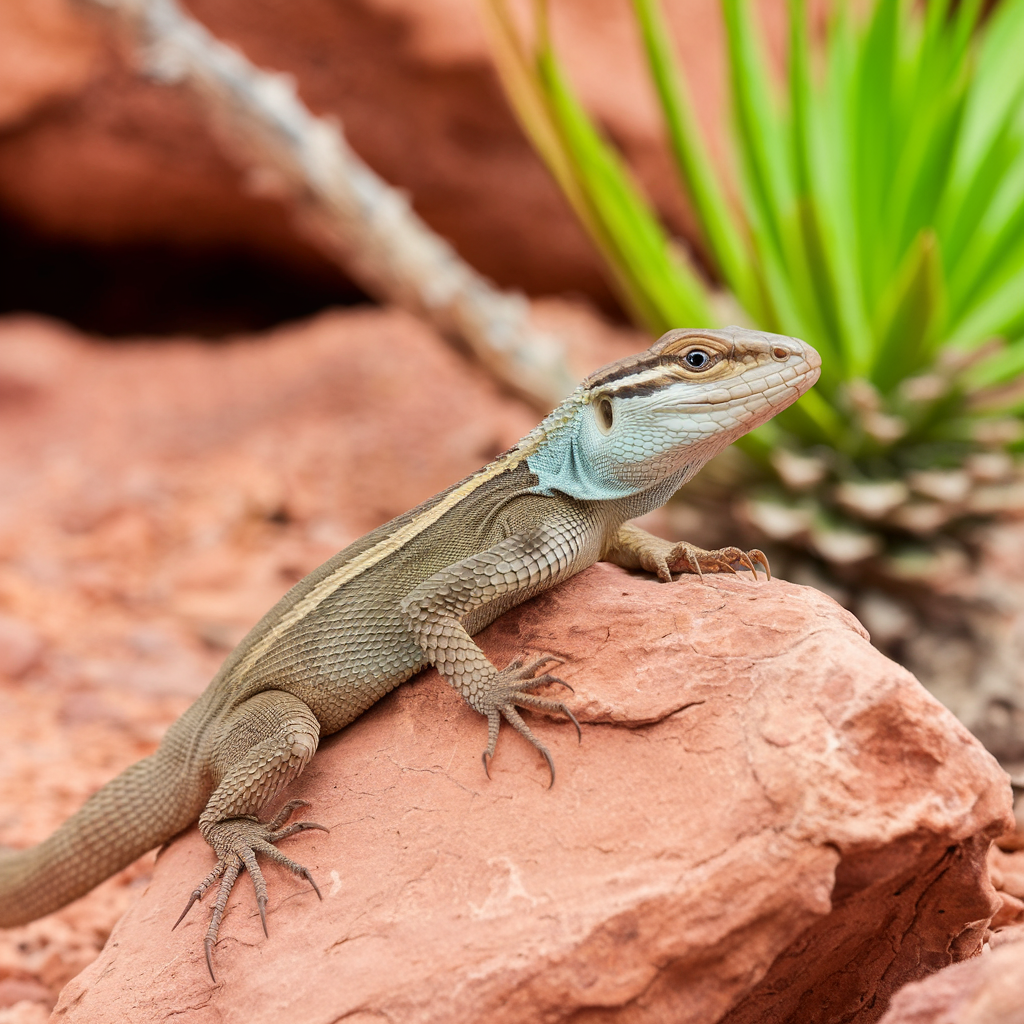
767,821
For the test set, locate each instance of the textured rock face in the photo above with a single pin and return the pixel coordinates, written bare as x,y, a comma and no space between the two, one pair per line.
767,821
987,989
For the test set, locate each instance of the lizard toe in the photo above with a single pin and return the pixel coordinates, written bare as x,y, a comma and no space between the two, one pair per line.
238,842
516,670
508,691
689,558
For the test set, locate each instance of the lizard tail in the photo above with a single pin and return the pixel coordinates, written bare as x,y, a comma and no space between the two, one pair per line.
142,807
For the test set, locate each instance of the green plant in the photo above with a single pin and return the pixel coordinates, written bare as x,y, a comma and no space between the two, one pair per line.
877,211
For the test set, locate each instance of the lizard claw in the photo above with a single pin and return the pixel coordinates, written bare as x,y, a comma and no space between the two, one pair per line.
689,558
197,892
757,555
237,841
551,765
509,691
208,946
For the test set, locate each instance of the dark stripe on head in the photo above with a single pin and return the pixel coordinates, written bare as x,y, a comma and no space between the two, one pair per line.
631,366
643,387
666,351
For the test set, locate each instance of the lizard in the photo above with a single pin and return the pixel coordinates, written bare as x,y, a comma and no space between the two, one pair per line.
411,594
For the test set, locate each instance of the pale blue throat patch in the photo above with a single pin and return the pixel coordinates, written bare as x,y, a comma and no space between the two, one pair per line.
561,465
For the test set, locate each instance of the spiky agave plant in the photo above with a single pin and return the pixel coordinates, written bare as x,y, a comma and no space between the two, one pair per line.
877,211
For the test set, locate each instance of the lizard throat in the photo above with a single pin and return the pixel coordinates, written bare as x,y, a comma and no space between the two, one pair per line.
562,465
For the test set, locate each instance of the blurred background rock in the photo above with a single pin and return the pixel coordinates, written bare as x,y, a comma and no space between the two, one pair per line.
120,213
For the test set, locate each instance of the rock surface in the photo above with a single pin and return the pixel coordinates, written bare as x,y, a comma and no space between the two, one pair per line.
767,821
986,989
48,55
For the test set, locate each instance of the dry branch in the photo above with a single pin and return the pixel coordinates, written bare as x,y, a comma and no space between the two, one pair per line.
363,223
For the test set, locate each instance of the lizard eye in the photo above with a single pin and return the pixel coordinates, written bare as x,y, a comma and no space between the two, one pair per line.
697,359
605,417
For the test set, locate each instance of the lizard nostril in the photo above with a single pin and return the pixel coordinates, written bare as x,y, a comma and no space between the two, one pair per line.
780,353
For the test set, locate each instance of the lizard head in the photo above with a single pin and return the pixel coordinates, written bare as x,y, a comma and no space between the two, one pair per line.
666,412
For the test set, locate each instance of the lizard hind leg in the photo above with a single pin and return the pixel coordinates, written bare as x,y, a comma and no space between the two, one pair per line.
261,836
262,746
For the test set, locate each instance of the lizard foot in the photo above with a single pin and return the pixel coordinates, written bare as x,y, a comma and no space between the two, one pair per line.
683,557
236,841
508,691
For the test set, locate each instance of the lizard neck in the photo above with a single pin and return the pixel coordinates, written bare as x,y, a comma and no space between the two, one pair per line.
638,504
559,461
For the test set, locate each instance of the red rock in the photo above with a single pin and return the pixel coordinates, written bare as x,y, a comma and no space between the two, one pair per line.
19,990
983,990
26,1012
1007,871
49,53
20,647
767,821
1010,912
1011,933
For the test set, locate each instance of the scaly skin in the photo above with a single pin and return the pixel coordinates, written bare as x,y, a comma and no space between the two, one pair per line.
411,594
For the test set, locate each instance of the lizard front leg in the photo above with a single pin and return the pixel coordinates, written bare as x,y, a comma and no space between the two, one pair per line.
633,548
260,747
505,575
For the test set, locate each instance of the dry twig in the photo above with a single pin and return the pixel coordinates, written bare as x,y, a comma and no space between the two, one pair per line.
362,222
